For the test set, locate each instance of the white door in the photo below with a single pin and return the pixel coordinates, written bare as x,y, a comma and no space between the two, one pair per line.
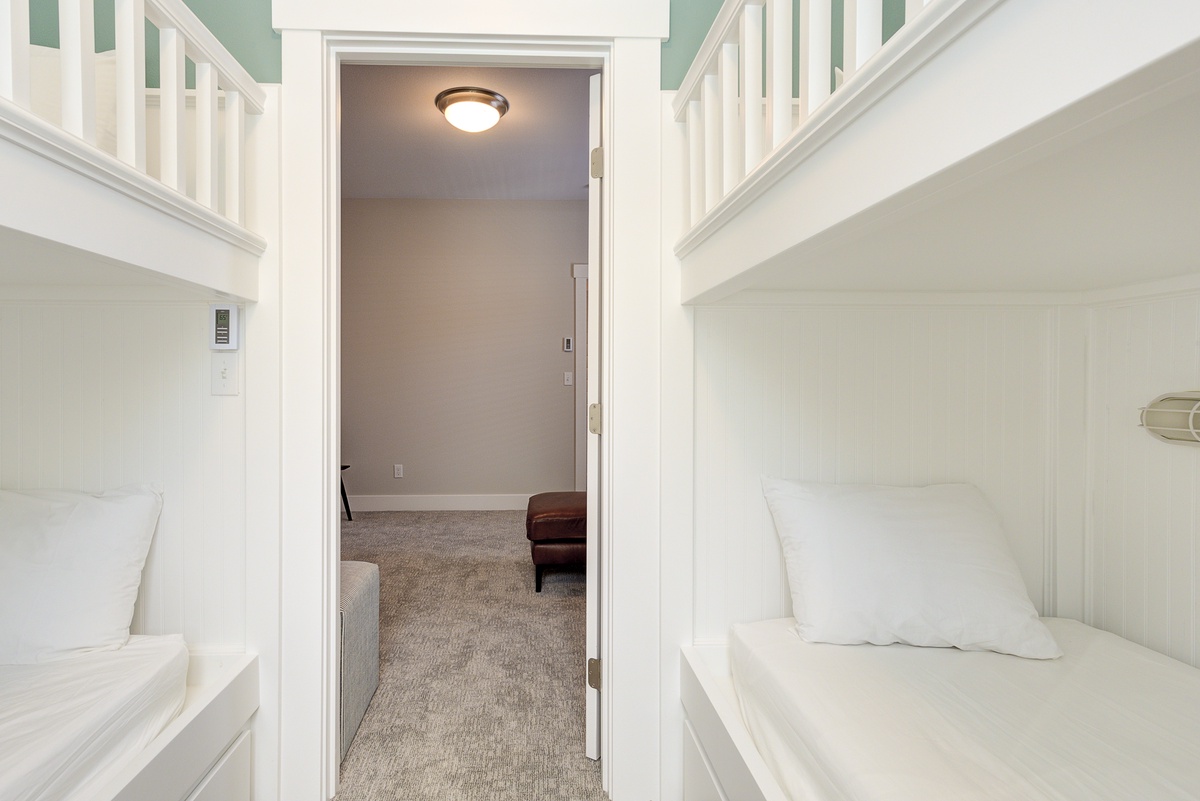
592,377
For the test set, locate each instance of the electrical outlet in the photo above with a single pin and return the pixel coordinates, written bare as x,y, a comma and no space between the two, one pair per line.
568,379
397,471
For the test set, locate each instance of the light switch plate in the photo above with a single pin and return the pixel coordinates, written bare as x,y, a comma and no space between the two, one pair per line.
224,372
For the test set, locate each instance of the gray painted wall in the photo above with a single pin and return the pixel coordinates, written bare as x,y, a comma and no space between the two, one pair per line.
453,314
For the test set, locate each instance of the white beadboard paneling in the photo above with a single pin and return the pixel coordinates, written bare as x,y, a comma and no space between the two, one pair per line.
886,395
106,394
1144,536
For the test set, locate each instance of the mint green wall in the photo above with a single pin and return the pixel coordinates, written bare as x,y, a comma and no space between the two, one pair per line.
691,19
243,26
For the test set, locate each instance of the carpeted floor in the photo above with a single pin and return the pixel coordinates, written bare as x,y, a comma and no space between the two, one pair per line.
480,692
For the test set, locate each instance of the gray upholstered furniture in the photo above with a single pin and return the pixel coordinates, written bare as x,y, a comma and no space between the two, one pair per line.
358,614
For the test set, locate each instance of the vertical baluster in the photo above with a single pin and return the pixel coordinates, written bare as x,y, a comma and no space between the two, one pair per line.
863,33
171,80
206,134
77,52
849,38
235,186
731,159
711,98
695,137
14,51
912,8
779,70
752,80
131,82
816,58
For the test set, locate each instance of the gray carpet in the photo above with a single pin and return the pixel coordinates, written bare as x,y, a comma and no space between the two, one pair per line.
480,694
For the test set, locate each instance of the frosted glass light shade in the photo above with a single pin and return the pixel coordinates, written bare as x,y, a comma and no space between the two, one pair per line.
1174,417
470,108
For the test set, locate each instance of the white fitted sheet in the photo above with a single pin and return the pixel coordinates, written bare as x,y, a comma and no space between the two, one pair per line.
63,723
1109,720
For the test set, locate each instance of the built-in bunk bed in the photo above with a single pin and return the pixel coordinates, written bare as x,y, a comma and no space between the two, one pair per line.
123,219
946,245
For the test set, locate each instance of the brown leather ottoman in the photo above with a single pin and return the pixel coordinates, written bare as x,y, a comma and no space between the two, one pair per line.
556,524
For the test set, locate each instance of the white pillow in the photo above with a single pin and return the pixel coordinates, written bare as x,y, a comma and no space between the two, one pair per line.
70,567
917,565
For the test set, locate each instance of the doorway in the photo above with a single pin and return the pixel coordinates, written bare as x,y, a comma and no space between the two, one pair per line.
461,342
633,702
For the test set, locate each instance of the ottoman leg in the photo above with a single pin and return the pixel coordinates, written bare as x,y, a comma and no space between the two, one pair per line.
537,578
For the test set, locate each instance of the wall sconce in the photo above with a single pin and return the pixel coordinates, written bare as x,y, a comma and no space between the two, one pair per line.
470,108
1174,417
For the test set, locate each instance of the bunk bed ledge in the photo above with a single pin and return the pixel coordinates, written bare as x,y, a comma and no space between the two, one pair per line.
79,197
207,739
720,758
891,153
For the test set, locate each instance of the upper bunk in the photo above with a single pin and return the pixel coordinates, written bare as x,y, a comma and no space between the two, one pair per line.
986,146
113,187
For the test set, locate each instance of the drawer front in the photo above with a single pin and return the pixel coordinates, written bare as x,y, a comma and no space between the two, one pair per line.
230,778
699,783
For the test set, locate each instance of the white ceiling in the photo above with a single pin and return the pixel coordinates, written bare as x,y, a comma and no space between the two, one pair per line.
396,144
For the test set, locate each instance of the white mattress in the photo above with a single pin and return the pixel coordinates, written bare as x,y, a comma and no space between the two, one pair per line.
1109,720
64,723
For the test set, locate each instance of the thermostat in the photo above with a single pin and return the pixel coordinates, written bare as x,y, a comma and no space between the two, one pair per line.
223,326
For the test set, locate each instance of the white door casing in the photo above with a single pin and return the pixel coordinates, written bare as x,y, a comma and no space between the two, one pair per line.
311,231
629,362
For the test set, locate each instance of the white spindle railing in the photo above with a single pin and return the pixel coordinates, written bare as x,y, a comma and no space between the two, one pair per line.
77,55
739,107
182,36
14,51
131,81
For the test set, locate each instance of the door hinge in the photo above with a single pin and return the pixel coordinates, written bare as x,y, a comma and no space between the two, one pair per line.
597,162
594,418
593,673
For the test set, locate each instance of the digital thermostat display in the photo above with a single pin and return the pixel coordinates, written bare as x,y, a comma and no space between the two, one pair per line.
222,328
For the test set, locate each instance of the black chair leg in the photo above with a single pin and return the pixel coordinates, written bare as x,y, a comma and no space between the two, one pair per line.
346,502
537,578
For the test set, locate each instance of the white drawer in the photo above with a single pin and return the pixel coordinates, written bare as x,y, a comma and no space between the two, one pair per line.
230,778
699,783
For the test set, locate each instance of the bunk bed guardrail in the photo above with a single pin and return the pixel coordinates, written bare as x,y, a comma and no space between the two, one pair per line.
763,90
218,78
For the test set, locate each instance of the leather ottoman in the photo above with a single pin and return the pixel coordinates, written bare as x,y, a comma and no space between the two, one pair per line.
556,525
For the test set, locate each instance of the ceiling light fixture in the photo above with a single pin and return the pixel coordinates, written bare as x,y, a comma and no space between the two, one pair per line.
470,108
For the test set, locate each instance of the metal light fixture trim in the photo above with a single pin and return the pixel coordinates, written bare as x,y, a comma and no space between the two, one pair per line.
471,108
1174,417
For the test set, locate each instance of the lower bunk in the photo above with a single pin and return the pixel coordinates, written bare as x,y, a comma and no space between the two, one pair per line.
772,717
145,721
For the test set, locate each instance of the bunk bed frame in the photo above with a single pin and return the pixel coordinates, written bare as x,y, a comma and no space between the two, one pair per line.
816,191
968,97
189,208
75,218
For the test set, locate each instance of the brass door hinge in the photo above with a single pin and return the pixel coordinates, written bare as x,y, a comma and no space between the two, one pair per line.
594,415
598,162
593,673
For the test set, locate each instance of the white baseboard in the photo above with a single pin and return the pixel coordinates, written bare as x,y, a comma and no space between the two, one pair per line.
435,503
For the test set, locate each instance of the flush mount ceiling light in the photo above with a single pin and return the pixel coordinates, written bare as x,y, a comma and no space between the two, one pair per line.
470,108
